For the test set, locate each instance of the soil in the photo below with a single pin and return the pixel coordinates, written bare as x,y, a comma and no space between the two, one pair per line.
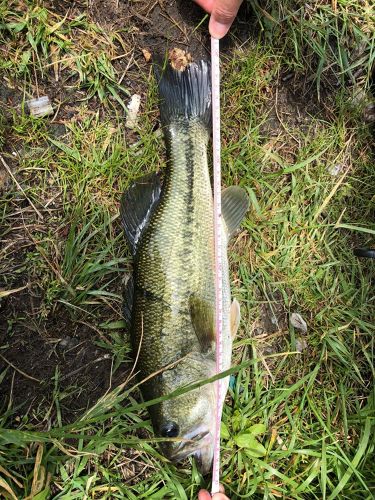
42,355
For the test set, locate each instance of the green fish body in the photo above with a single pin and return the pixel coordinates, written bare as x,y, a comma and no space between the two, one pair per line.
171,298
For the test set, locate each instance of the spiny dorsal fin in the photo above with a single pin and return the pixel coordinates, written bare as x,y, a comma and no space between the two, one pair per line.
234,204
202,317
137,205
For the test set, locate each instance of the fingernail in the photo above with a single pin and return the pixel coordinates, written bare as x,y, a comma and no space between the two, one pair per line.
217,30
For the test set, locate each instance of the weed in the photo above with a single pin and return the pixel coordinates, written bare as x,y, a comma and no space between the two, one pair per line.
333,42
76,50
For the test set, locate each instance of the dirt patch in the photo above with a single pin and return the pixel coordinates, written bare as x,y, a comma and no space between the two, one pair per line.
50,365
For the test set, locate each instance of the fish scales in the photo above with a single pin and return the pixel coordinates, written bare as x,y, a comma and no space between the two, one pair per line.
173,297
175,258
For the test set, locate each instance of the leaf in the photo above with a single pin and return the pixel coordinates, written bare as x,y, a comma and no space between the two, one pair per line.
56,26
224,432
254,201
257,429
8,474
5,489
113,325
15,27
253,447
355,228
25,58
43,495
67,150
5,293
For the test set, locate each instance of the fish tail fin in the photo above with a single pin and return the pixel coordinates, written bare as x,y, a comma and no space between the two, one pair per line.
185,95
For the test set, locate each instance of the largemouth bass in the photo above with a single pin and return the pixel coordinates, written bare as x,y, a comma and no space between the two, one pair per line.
170,301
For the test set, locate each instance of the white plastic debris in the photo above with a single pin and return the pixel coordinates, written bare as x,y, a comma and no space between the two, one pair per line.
40,106
298,322
133,109
335,170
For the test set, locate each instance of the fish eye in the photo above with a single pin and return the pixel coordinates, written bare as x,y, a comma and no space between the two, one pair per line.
169,429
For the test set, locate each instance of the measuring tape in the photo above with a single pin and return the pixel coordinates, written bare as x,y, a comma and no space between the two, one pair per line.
215,78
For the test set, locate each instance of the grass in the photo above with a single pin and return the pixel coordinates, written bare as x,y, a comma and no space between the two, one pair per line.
335,41
299,419
38,39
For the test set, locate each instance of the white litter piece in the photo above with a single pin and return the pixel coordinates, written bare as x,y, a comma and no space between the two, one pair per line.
298,322
335,170
133,109
40,106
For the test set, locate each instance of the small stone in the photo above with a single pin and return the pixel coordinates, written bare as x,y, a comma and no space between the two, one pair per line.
67,343
133,109
301,344
298,322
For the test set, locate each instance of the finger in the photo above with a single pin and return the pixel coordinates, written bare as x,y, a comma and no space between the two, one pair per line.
205,4
222,16
221,488
204,495
219,496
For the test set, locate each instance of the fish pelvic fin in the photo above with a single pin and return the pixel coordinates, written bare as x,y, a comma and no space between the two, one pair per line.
235,318
185,95
234,203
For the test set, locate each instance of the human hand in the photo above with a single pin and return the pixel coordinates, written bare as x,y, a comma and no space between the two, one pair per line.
204,495
222,13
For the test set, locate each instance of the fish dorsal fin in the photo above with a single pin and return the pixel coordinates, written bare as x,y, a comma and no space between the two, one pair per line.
235,317
203,320
234,203
137,205
128,301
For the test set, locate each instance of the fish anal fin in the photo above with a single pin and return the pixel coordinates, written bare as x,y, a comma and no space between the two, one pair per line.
235,317
137,205
235,203
203,320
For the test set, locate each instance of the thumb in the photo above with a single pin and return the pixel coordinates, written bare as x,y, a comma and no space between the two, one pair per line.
222,16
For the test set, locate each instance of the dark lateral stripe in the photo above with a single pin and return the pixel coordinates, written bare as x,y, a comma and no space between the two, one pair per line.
148,294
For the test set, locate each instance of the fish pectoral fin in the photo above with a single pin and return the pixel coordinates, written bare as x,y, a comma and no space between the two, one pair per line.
235,317
203,320
235,203
137,204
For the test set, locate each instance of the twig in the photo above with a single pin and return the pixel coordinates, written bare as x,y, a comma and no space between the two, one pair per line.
137,356
19,186
127,67
20,371
74,372
103,337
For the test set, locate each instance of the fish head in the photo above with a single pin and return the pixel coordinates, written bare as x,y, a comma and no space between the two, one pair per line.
190,420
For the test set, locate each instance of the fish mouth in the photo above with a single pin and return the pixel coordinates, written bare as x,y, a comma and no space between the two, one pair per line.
200,446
